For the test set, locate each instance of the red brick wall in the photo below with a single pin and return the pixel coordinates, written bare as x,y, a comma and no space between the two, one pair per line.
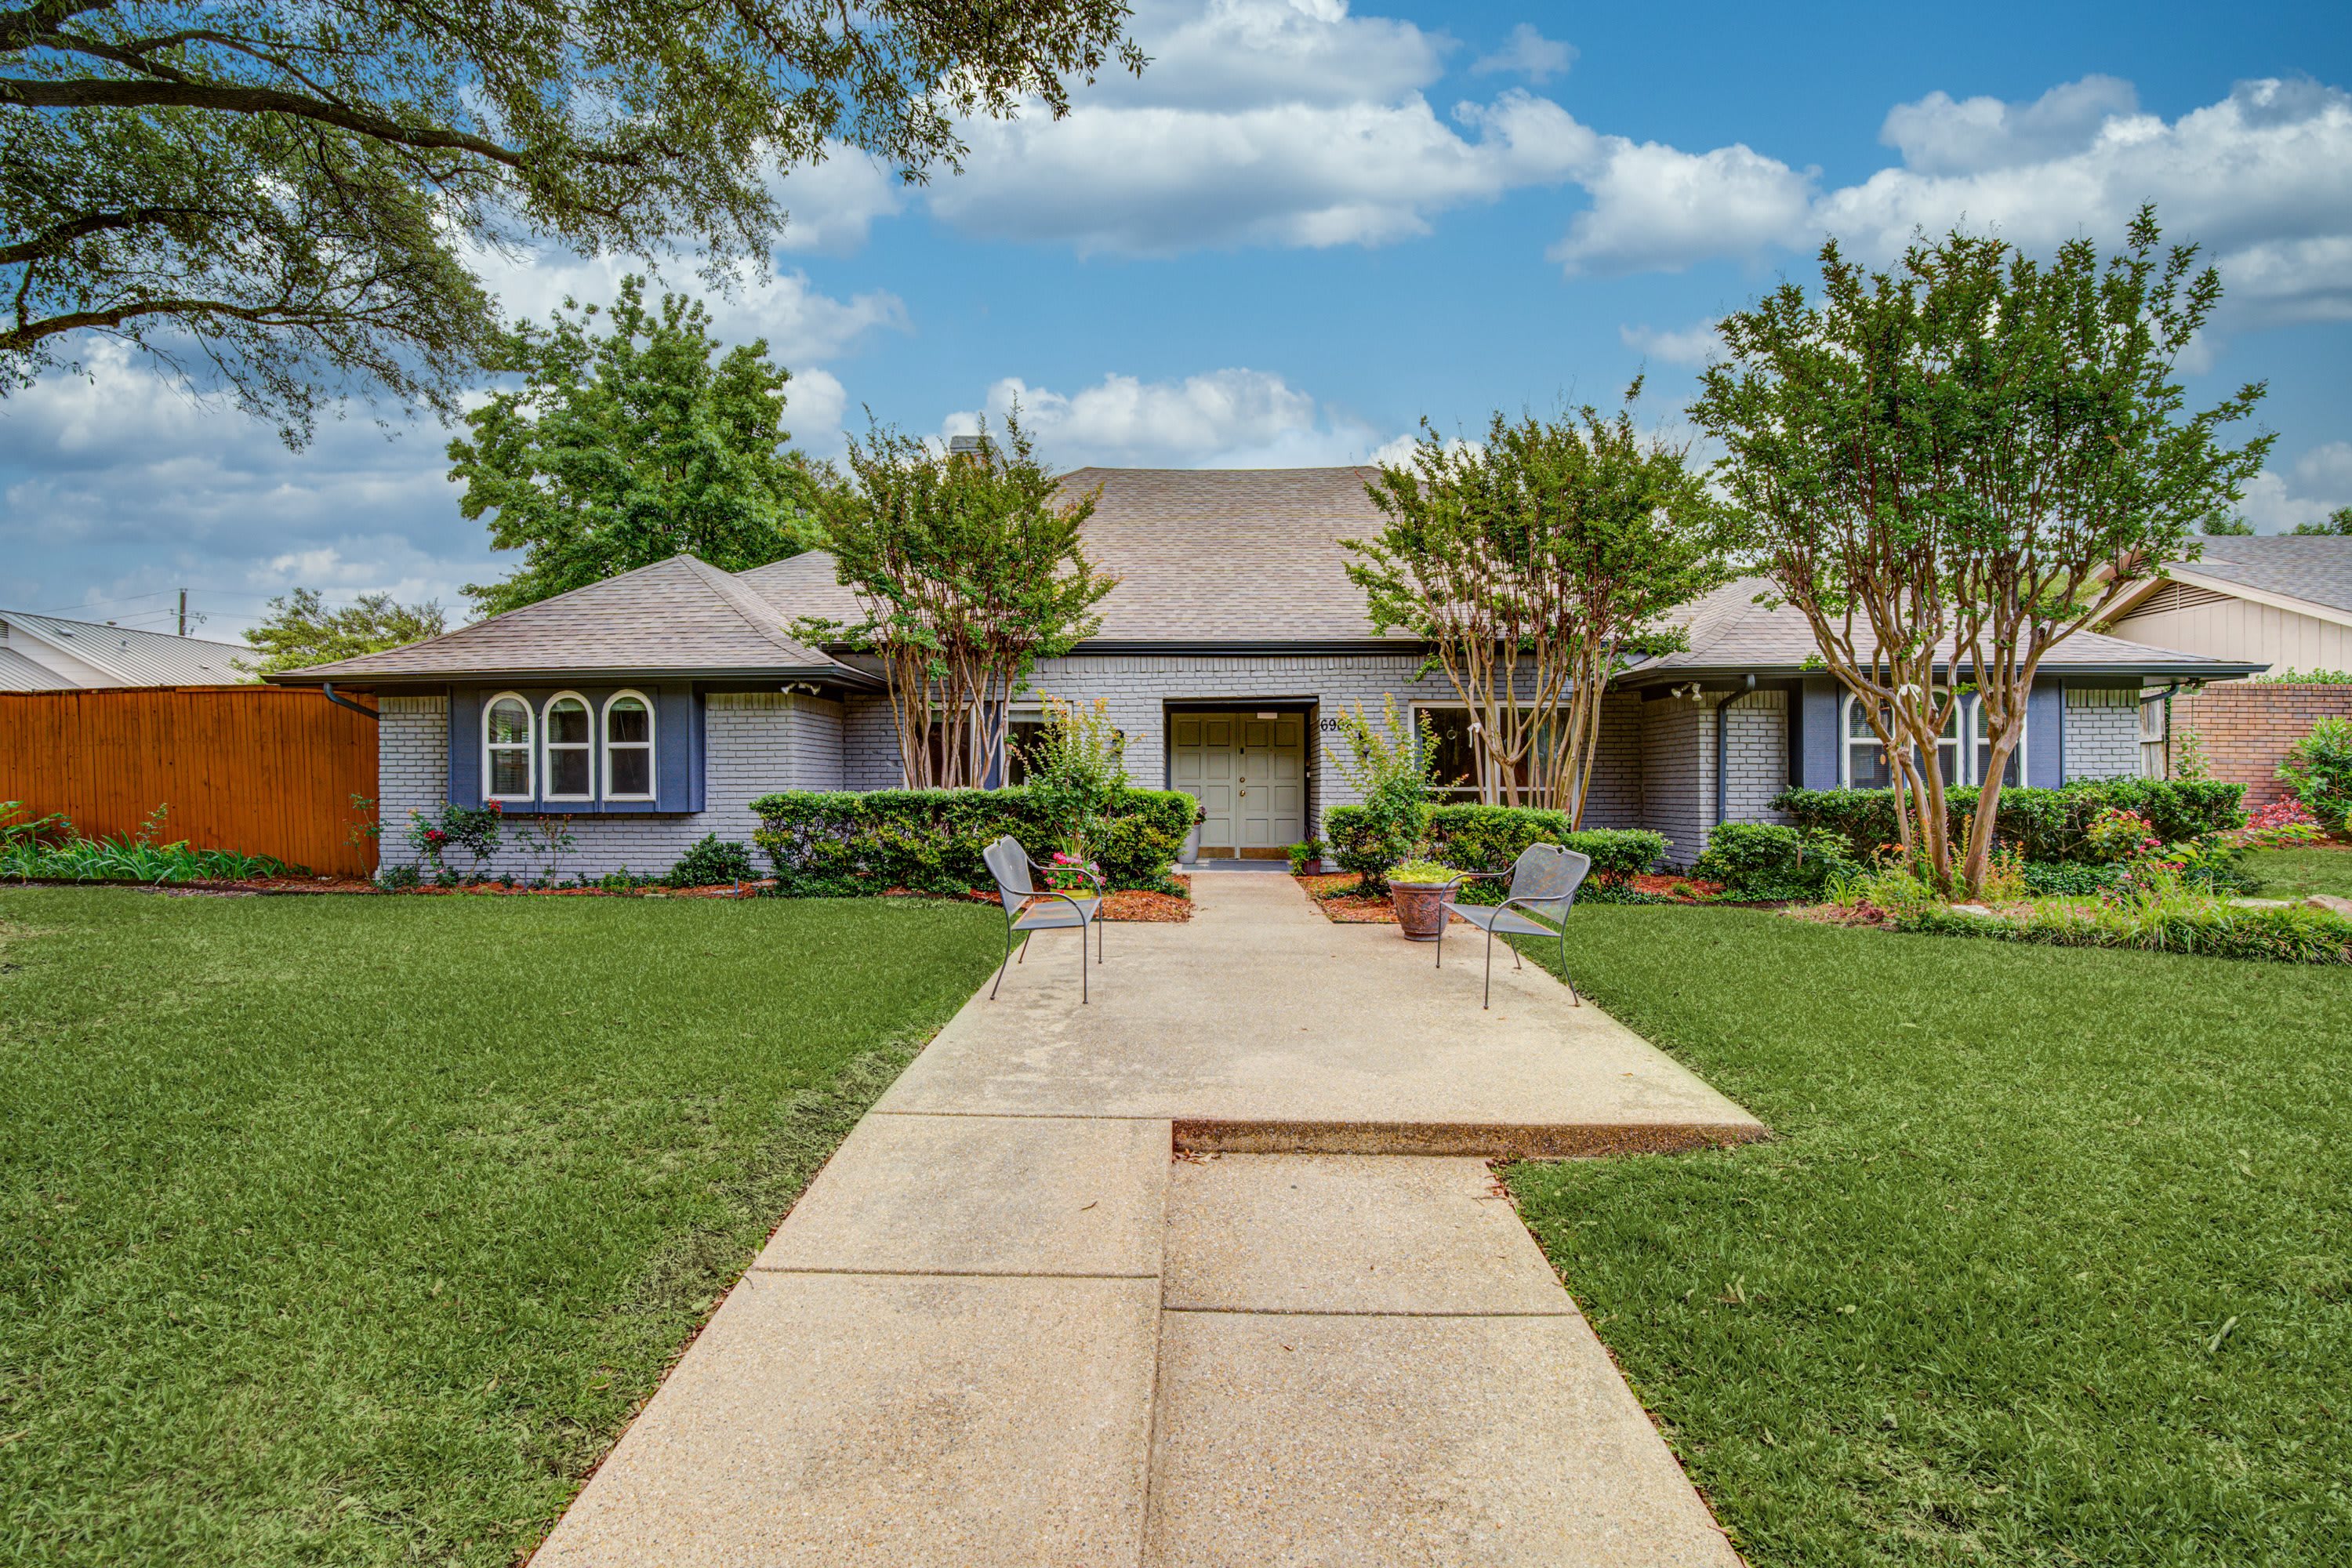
2247,728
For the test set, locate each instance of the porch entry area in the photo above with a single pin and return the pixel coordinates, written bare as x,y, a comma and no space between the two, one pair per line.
1247,767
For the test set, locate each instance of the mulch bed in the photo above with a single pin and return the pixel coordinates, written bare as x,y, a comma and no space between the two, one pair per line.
1333,894
1124,905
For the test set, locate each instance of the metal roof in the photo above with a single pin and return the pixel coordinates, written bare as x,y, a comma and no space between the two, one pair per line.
134,658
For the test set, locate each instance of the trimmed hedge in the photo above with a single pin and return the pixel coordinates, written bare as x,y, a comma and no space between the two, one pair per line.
2046,825
1489,838
2292,934
846,843
1764,860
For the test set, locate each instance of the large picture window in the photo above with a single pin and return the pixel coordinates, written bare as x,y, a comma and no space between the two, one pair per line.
507,749
628,747
1453,755
569,743
1865,763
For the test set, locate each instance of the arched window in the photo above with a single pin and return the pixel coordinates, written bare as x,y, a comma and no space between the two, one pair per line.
628,747
569,740
506,771
1864,764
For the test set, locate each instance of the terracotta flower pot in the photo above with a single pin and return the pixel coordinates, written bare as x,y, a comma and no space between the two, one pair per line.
1420,908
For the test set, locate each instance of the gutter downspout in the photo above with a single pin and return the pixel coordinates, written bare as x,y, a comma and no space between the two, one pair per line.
327,686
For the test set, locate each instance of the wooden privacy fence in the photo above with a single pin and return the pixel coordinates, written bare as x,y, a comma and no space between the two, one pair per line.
263,769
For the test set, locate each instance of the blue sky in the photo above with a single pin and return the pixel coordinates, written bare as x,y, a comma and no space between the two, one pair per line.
1310,226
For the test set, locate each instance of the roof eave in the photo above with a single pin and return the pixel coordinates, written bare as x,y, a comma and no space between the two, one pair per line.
2187,669
369,680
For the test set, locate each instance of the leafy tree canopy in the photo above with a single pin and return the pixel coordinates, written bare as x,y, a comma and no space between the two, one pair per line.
301,631
2338,521
1533,565
285,200
630,445
2223,524
970,568
1953,466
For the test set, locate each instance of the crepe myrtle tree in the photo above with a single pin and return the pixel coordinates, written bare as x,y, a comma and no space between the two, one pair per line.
290,201
969,568
1533,565
1953,466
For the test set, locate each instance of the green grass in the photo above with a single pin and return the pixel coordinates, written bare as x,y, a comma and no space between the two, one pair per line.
2050,1262
2299,873
352,1230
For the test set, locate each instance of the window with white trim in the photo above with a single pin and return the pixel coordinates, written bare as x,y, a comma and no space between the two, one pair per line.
1981,758
570,739
506,760
628,747
1450,735
1864,762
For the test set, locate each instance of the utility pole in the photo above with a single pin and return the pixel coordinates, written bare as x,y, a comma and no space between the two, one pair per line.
183,611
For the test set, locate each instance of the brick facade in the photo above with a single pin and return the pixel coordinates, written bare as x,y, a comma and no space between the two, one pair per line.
758,742
2247,726
2102,732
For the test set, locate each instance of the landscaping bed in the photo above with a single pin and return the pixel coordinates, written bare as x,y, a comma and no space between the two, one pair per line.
341,1230
2049,1261
1335,894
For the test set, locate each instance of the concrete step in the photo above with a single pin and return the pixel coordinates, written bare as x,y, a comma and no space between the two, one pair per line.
1367,1360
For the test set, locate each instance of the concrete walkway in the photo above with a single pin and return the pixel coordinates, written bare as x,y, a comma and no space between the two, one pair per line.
1003,1326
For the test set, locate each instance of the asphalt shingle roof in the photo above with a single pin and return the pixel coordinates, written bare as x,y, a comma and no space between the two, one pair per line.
1203,555
2314,567
1729,630
679,615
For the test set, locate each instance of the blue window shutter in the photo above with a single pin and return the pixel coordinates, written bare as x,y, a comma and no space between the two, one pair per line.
2045,735
678,758
1819,727
465,747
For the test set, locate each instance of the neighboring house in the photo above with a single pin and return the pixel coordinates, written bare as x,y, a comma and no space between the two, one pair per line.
48,653
652,707
2279,600
2284,600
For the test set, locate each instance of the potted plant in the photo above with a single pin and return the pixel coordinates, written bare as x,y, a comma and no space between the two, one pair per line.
1418,889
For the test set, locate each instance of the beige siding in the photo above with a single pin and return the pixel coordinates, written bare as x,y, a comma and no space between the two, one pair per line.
2234,628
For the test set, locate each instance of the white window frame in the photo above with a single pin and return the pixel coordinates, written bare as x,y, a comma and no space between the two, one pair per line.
606,745
1467,793
1977,747
549,745
1967,717
528,746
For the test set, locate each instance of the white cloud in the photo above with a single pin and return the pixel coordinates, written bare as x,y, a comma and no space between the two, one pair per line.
1937,135
832,205
1692,345
1258,122
1232,418
1530,54
2261,179
816,405
2320,481
1657,208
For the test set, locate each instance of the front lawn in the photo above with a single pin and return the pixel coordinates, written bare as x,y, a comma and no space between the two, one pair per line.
352,1230
2050,1262
2299,873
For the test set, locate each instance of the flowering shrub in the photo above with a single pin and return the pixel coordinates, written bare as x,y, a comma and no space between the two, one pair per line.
476,829
2115,834
2318,769
2279,825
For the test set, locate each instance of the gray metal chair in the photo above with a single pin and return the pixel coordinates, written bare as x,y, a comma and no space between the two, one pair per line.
1545,878
1029,908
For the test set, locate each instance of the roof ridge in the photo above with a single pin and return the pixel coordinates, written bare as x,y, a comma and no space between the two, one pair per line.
757,614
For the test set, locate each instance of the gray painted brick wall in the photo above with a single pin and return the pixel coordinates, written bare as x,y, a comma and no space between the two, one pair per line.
2102,732
759,742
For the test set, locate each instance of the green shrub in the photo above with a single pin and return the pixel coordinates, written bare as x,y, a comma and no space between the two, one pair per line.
851,845
1761,860
48,850
2044,825
1387,766
2290,933
1302,856
2318,771
1493,837
712,863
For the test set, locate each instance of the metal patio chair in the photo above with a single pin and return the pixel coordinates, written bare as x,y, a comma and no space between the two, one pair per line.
1029,908
1545,878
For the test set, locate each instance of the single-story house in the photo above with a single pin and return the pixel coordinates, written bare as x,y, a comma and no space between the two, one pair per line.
652,707
51,653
